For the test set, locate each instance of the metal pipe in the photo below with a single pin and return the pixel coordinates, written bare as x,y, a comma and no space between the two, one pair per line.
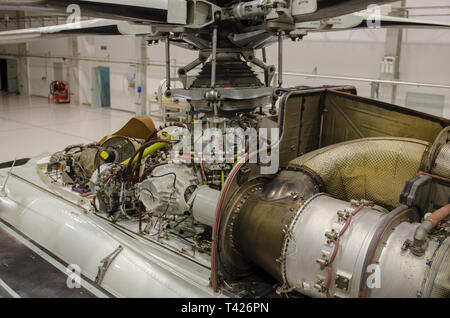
260,223
280,59
203,205
3,189
360,79
133,62
426,226
429,15
425,7
84,59
142,109
160,99
439,215
321,127
268,69
168,63
191,66
421,232
214,58
422,173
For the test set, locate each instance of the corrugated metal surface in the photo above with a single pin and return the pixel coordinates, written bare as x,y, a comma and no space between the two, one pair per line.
372,168
350,117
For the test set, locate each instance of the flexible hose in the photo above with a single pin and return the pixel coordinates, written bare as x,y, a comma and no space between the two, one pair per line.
426,226
167,125
436,217
149,170
129,172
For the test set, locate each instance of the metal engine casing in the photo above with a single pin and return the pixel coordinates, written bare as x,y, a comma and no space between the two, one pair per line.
323,245
168,189
373,237
122,147
307,243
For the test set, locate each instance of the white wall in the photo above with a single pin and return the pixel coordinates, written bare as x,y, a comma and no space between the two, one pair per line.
121,56
424,58
41,70
421,60
425,55
124,49
178,56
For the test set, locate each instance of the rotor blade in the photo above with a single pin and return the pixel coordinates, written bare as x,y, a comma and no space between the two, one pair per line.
90,27
316,10
162,11
364,21
391,22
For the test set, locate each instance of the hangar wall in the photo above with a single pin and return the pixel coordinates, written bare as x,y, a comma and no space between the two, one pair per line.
357,53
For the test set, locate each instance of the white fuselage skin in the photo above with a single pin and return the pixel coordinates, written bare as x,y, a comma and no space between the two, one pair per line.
76,236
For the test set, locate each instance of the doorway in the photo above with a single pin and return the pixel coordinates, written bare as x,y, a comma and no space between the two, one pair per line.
12,76
9,78
3,76
101,88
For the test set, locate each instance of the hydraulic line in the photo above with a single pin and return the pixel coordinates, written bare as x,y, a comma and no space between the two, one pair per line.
426,226
149,170
162,127
436,217
131,171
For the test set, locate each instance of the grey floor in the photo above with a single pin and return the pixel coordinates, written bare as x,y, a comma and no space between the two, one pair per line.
25,274
4,293
30,126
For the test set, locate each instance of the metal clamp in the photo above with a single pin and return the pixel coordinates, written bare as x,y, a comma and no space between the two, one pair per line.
3,188
106,263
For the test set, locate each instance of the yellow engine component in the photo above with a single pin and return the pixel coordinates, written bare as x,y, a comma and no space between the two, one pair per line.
104,155
153,148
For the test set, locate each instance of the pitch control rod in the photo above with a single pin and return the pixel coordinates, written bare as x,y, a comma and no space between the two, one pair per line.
214,58
168,62
280,59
